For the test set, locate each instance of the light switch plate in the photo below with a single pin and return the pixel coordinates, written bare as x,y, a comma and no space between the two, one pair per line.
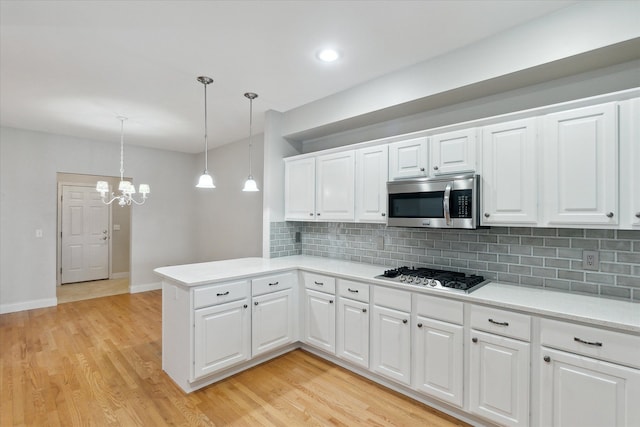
591,260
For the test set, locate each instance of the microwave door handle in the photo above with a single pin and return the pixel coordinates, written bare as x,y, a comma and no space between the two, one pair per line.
445,202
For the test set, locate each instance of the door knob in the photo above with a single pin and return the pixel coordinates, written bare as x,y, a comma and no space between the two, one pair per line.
105,237
474,340
610,215
404,320
487,214
435,168
637,214
546,359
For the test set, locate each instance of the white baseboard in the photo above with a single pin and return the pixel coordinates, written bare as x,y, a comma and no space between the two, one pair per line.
28,305
122,275
134,289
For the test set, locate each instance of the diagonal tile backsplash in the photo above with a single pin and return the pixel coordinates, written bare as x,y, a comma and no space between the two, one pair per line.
544,257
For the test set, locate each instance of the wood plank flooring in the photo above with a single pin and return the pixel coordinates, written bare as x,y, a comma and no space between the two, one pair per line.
98,363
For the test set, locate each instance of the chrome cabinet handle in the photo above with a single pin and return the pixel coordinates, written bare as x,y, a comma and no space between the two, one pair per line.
245,306
610,215
355,291
546,359
223,294
364,310
487,214
404,321
274,284
419,325
255,303
593,343
499,323
318,283
474,340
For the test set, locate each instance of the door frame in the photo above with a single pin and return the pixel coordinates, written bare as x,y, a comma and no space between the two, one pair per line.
61,184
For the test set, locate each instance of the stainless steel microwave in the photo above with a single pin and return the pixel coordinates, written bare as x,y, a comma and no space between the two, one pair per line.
440,202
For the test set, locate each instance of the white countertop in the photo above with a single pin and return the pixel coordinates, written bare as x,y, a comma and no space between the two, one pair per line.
592,310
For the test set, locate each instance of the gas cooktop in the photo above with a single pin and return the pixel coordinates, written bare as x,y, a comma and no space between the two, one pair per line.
431,278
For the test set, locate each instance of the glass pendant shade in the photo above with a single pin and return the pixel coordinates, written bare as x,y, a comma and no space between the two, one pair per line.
205,181
250,185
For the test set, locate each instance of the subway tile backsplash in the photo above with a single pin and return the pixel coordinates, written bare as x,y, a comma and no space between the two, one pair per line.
542,257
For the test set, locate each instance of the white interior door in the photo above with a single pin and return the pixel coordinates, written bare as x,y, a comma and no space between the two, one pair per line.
85,235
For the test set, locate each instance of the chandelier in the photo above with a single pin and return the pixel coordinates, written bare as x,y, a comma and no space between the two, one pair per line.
126,188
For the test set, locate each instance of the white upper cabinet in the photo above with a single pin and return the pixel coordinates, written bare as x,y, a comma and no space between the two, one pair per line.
371,184
320,188
629,163
300,189
409,159
335,187
453,152
510,173
580,170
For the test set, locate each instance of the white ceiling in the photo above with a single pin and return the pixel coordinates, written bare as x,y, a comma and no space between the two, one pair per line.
71,67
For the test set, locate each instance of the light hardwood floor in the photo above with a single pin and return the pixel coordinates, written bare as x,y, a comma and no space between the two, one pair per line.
98,362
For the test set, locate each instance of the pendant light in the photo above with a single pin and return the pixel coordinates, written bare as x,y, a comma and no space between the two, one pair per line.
250,184
126,188
205,180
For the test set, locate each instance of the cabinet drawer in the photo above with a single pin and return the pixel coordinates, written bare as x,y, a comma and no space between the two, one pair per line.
353,290
392,298
593,342
275,282
205,296
440,309
320,282
501,322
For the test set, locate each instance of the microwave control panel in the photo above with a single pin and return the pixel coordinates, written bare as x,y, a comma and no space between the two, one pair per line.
461,204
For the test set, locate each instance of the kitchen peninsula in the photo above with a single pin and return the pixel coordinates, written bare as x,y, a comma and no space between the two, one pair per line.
445,349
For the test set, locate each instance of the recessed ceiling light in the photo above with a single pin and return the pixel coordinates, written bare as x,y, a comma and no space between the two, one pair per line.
328,55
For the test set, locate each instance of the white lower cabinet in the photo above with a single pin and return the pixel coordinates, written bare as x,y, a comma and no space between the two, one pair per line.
499,379
353,331
580,391
391,335
222,336
438,355
272,321
320,320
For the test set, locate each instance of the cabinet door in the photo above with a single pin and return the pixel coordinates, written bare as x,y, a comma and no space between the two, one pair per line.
581,166
408,159
353,331
335,182
222,337
372,172
510,173
272,321
579,391
453,152
299,190
391,344
438,367
499,379
629,161
320,320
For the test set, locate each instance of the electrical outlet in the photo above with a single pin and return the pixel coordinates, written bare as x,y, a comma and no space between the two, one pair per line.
591,260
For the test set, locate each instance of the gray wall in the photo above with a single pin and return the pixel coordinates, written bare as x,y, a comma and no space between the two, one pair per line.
541,257
230,220
162,229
